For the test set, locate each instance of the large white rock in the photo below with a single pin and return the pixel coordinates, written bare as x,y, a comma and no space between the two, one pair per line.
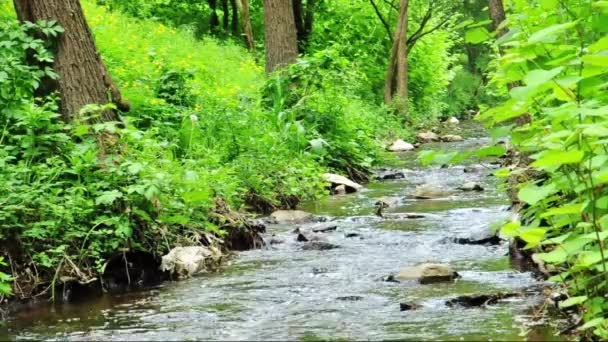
427,273
451,138
290,216
186,261
401,146
337,180
428,191
452,121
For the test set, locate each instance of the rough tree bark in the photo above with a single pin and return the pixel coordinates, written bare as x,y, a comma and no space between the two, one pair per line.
234,22
247,29
280,30
497,14
398,60
83,78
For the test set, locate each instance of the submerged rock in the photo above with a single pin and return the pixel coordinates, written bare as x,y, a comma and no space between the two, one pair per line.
409,306
401,146
324,227
352,235
428,191
290,216
470,301
488,241
471,186
319,246
389,174
473,168
427,273
184,262
451,138
78,290
337,180
350,298
426,137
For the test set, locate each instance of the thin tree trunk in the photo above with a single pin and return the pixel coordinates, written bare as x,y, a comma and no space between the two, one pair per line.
298,15
309,17
235,18
304,18
402,57
214,21
226,16
397,57
281,37
83,77
247,29
497,14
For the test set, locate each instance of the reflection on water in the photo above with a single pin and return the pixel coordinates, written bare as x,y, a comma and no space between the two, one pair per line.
284,292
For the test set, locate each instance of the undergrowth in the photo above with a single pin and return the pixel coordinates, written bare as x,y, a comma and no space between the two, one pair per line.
205,123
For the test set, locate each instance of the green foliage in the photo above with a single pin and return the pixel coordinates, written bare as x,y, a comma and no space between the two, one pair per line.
555,52
205,123
353,30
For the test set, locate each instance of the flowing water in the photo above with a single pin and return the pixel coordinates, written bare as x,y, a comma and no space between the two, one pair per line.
283,292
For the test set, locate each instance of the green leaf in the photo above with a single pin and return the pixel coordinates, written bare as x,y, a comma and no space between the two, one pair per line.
533,194
490,151
593,323
556,256
135,168
589,258
5,289
572,301
108,197
511,229
558,158
532,236
538,77
575,208
548,34
597,60
477,35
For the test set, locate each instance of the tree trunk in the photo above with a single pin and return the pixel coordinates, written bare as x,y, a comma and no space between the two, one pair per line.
298,15
304,20
214,21
226,16
497,14
398,60
308,20
83,78
235,18
247,29
280,30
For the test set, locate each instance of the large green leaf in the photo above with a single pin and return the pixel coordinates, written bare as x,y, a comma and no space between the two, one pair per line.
532,236
538,77
548,34
556,256
108,197
558,158
477,35
533,194
572,301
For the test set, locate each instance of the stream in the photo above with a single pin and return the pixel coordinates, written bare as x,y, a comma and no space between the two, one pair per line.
283,292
